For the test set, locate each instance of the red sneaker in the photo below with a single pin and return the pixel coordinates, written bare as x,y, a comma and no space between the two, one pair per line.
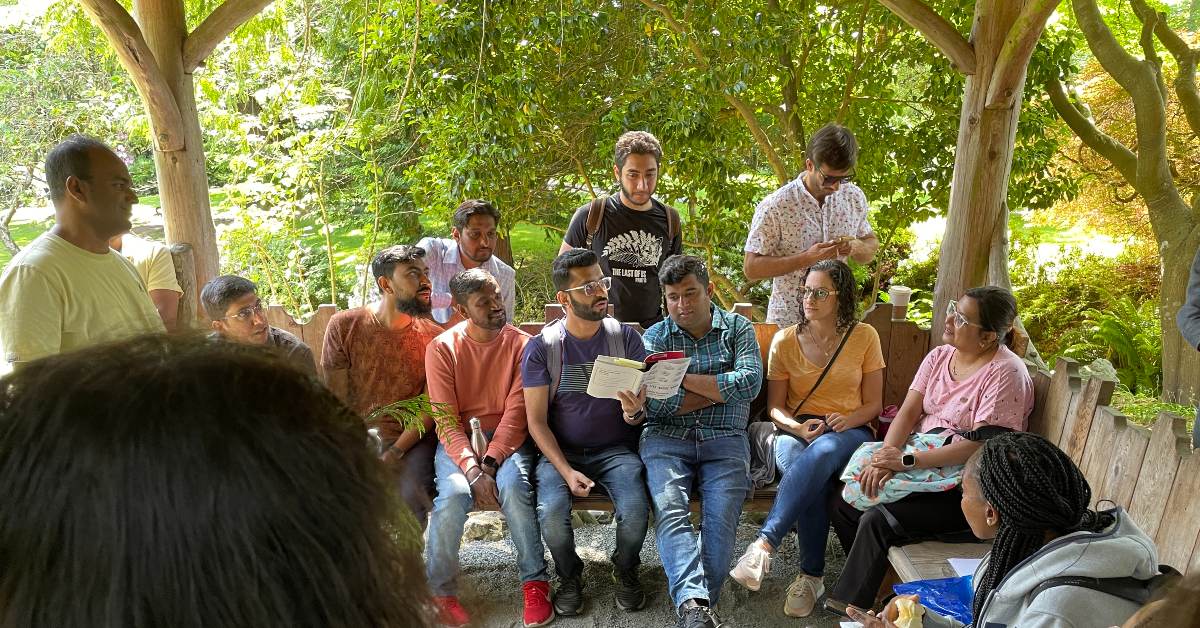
538,609
450,612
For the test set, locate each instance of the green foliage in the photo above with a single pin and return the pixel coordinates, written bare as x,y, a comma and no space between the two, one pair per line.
410,413
1127,334
1144,409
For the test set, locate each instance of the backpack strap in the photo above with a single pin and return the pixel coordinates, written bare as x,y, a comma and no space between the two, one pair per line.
615,335
1131,589
552,339
672,225
595,216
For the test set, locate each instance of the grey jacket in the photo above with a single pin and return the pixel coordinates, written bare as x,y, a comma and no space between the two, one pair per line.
1188,318
1122,550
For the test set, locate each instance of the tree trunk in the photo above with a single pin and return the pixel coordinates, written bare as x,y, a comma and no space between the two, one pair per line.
182,178
1181,361
977,215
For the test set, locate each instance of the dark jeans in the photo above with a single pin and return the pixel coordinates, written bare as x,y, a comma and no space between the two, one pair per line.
413,476
618,471
867,536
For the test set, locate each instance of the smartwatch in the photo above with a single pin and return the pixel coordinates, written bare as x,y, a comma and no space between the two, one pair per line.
908,461
488,461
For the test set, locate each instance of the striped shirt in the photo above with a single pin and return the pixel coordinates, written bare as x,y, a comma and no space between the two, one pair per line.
730,351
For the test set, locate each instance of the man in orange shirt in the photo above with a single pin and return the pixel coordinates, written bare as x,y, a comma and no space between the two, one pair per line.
375,355
474,369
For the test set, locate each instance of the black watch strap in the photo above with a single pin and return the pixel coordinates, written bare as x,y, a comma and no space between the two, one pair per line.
489,461
908,460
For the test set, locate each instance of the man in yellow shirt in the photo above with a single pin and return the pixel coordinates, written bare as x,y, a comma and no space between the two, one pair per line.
67,289
157,270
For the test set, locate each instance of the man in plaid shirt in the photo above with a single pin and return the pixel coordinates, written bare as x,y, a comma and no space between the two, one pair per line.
699,433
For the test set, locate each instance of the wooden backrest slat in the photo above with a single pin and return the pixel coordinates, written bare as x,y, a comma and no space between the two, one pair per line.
1096,392
1167,444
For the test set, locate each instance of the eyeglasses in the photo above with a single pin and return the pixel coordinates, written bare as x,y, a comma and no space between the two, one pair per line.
820,294
592,288
247,313
829,179
957,317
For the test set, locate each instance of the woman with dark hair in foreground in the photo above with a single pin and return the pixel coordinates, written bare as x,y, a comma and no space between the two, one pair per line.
173,482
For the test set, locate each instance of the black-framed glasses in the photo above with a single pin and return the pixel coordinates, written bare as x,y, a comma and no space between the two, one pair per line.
957,317
247,313
829,179
592,288
820,294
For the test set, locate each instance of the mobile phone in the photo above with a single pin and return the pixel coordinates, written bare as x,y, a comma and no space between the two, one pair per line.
836,607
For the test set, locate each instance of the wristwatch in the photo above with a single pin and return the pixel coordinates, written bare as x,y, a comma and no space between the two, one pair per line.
908,461
489,461
636,417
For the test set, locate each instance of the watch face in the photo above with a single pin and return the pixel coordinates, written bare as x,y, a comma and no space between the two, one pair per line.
908,460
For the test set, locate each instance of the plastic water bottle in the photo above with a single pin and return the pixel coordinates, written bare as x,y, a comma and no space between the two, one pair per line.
479,440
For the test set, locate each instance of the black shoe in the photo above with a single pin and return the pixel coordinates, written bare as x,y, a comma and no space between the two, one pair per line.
694,614
568,599
629,594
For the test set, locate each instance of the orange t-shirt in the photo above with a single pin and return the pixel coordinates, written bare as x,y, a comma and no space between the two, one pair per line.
841,391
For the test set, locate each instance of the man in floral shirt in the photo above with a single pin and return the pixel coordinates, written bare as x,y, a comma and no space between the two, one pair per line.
819,215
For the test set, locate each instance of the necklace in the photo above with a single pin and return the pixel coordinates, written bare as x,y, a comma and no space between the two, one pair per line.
823,345
958,371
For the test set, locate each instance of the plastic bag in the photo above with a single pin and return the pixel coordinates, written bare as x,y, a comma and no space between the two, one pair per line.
950,597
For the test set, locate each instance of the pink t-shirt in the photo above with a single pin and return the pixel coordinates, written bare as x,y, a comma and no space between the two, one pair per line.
999,394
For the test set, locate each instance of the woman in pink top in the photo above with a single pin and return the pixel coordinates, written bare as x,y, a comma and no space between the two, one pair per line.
971,388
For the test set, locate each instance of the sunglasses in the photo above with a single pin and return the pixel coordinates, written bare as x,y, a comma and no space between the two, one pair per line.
829,179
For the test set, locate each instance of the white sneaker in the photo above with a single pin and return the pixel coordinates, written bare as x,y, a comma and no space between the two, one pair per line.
802,595
752,567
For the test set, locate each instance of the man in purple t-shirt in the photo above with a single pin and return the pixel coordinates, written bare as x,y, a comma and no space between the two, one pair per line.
585,441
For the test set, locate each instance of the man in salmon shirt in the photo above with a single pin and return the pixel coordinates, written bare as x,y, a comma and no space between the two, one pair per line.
474,369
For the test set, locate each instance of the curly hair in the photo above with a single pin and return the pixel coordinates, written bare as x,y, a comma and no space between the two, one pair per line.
847,299
176,481
1036,488
636,143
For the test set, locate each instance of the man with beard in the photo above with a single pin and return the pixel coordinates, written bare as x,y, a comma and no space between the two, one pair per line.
819,215
585,441
474,369
375,355
68,290
237,314
472,245
631,232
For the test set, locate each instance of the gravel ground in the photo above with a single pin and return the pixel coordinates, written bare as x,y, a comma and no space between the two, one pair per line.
490,591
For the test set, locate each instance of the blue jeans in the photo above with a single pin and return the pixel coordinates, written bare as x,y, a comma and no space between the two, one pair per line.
454,501
618,471
808,470
720,469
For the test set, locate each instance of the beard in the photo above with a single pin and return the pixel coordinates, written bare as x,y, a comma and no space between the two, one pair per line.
585,311
629,194
492,324
414,306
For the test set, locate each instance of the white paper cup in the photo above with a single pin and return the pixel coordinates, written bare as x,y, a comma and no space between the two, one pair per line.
899,295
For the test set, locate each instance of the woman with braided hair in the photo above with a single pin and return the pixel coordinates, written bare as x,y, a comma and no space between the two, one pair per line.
1028,495
967,390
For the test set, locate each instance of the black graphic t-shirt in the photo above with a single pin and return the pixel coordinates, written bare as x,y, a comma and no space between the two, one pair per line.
630,244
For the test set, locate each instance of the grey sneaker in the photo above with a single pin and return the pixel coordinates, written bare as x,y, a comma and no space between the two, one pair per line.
802,595
629,593
568,599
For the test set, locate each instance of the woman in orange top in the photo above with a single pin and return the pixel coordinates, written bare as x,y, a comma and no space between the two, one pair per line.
817,432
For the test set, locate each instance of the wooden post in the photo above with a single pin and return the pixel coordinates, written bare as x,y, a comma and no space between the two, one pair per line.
185,273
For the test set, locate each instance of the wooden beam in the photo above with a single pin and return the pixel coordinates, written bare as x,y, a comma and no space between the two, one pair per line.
1017,51
129,44
215,28
940,32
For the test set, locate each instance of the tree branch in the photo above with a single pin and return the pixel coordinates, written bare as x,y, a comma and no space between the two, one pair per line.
215,28
135,56
1185,82
852,76
1149,20
941,33
1018,47
1125,69
1123,159
745,110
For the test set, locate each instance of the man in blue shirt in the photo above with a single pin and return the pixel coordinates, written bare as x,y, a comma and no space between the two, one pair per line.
585,441
698,437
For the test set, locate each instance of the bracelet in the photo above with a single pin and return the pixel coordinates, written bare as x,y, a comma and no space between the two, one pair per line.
472,482
636,417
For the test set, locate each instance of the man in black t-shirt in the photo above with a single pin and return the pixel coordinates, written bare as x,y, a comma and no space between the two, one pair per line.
635,234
